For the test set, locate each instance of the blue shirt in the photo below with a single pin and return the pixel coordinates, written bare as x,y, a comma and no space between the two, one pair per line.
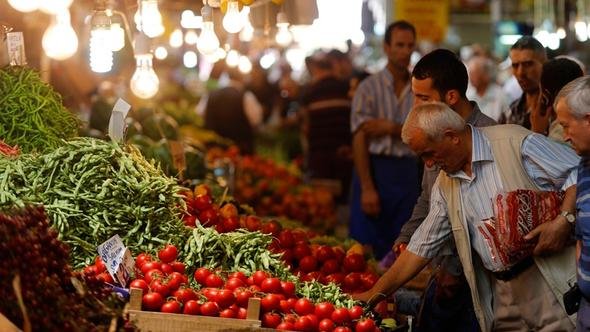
375,99
551,166
583,224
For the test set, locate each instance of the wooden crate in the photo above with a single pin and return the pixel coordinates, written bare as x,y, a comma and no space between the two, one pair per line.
148,321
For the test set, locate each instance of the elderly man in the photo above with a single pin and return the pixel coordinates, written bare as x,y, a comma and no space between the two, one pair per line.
477,165
572,105
483,88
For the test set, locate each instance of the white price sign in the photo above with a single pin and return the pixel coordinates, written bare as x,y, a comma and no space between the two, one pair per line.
117,259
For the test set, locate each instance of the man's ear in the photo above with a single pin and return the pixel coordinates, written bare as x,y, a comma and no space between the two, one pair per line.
452,97
452,135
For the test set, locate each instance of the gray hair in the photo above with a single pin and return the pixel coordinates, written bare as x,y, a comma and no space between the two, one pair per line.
577,96
433,119
485,63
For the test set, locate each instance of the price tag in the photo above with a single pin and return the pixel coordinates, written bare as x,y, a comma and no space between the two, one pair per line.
117,259
15,44
117,121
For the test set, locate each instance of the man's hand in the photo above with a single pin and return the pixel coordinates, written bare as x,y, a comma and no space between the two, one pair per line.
553,236
370,203
378,128
370,297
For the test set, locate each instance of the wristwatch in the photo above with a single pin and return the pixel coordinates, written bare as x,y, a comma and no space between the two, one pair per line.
570,217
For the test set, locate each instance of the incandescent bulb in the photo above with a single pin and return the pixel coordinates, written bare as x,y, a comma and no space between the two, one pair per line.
244,64
25,6
283,36
247,33
59,40
148,18
55,6
161,53
191,37
176,38
117,37
208,41
232,58
144,83
233,21
189,59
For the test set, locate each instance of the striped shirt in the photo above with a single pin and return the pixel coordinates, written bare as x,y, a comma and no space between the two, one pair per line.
551,166
375,99
583,224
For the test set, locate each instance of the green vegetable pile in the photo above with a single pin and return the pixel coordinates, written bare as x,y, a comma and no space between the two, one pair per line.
331,292
92,190
33,116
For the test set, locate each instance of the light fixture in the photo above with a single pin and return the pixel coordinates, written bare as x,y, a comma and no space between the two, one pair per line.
247,32
283,36
144,82
208,41
581,31
117,37
161,53
232,59
233,21
189,59
176,38
244,64
59,40
148,18
101,54
55,6
191,37
25,6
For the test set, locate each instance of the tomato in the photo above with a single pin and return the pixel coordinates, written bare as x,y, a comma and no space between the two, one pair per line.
286,306
214,280
324,253
239,275
233,283
227,313
202,189
178,267
301,250
171,307
228,210
105,277
291,318
355,312
209,309
288,288
230,224
271,285
287,256
151,266
225,298
152,301
324,310
100,267
270,302
175,280
326,325
184,295
308,264
285,326
259,276
337,278
271,320
201,275
141,259
339,253
253,223
209,217
210,293
340,316
141,284
242,297
152,275
314,320
272,227
202,202
303,324
168,254
352,281
342,329
191,307
91,270
242,313
189,220
330,266
166,268
304,306
315,275
354,263
159,286
286,239
365,325
368,279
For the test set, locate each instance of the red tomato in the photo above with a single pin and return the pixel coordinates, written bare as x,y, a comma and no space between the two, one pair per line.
272,227
175,280
152,275
233,283
152,301
171,307
337,278
209,309
230,224
270,302
189,220
339,253
90,270
315,321
202,202
286,239
308,264
201,275
178,267
160,287
227,313
288,288
368,279
259,276
253,223
342,329
301,250
352,281
324,253
286,326
242,313
365,325
166,268
213,280
286,306
355,312
330,266
239,275
324,310
340,316
304,306
140,283
209,217
326,325
354,263
225,298
271,320
184,295
242,296
192,307
287,256
210,293
105,277
151,266
141,259
271,285
100,267
303,324
168,254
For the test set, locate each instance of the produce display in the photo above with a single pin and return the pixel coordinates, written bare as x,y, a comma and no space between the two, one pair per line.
35,257
94,189
33,116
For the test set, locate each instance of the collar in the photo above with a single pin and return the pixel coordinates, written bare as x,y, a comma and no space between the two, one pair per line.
475,113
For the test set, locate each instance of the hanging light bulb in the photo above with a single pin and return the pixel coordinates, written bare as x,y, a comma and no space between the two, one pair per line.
247,32
161,53
148,18
232,59
117,37
55,6
283,36
208,41
101,54
233,21
581,31
144,82
189,59
59,40
244,64
191,37
176,38
24,6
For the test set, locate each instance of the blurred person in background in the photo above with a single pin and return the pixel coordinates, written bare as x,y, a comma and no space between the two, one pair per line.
483,88
527,56
386,178
341,63
265,92
556,74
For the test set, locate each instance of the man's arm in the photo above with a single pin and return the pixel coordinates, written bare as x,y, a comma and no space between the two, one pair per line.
360,152
406,267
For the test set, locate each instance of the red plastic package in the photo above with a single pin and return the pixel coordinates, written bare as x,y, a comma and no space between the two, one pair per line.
8,150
